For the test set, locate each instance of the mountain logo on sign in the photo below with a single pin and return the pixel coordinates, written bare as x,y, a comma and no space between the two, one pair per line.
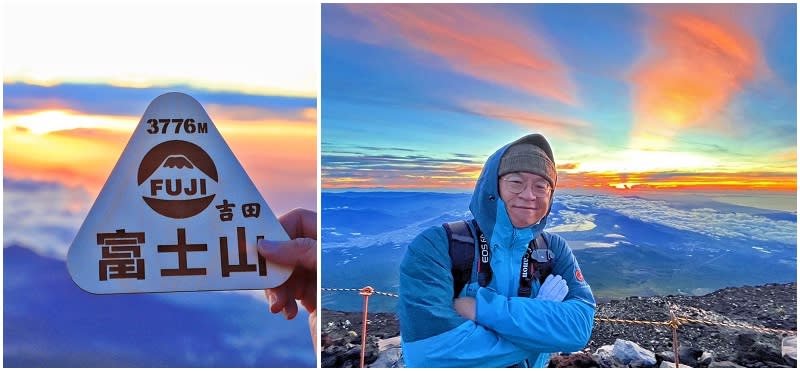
177,179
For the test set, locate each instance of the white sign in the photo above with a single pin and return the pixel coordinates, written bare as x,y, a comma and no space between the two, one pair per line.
177,213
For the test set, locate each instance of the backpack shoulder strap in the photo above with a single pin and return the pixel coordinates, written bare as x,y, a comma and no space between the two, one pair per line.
462,253
541,242
543,261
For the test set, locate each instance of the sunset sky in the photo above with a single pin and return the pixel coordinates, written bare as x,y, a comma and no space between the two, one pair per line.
697,97
75,90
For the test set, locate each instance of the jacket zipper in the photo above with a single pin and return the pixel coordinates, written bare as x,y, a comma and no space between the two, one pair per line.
511,291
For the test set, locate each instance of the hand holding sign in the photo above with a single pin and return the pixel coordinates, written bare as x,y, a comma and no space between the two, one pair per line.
300,252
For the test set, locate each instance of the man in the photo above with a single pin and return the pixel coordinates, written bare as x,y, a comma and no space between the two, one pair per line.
517,319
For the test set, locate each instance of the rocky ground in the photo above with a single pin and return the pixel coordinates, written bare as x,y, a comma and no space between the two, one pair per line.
725,343
770,306
341,337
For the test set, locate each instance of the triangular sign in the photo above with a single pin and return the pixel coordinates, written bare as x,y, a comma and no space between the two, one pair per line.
177,213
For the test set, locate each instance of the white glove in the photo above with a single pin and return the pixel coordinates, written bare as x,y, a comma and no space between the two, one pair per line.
554,288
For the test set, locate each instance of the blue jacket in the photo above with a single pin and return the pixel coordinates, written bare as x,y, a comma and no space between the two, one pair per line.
508,330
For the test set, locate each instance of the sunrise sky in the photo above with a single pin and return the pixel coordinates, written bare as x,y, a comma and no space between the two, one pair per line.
697,97
77,78
75,90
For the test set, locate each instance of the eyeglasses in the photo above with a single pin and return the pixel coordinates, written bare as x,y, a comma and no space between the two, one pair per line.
517,185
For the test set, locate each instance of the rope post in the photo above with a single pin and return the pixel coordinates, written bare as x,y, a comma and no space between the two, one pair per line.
365,292
674,324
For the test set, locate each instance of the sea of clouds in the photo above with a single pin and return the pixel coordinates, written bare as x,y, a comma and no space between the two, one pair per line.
578,214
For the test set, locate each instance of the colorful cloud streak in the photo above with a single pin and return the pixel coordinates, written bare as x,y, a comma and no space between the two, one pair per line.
559,126
398,170
474,40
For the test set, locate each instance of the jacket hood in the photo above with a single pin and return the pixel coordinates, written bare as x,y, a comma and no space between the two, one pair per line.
486,195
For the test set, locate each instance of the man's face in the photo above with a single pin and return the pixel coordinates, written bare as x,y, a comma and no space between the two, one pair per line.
527,197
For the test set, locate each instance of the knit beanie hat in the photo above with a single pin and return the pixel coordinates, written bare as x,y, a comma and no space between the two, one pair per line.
527,154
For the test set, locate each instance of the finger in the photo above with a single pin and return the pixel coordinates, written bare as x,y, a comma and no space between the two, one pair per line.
290,311
557,282
563,289
312,325
547,280
551,282
309,300
300,223
563,293
299,279
278,297
563,285
305,288
546,288
268,293
298,252
272,299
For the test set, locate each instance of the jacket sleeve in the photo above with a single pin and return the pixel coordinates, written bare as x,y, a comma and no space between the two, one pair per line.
433,333
540,325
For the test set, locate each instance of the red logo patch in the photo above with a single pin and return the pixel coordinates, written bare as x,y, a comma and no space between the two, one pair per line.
579,275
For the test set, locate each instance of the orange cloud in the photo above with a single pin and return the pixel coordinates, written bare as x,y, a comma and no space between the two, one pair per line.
249,113
550,124
694,64
280,159
94,134
73,160
29,105
477,41
787,156
767,181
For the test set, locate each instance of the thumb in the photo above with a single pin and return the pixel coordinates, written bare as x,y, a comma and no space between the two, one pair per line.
297,252
548,282
546,287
